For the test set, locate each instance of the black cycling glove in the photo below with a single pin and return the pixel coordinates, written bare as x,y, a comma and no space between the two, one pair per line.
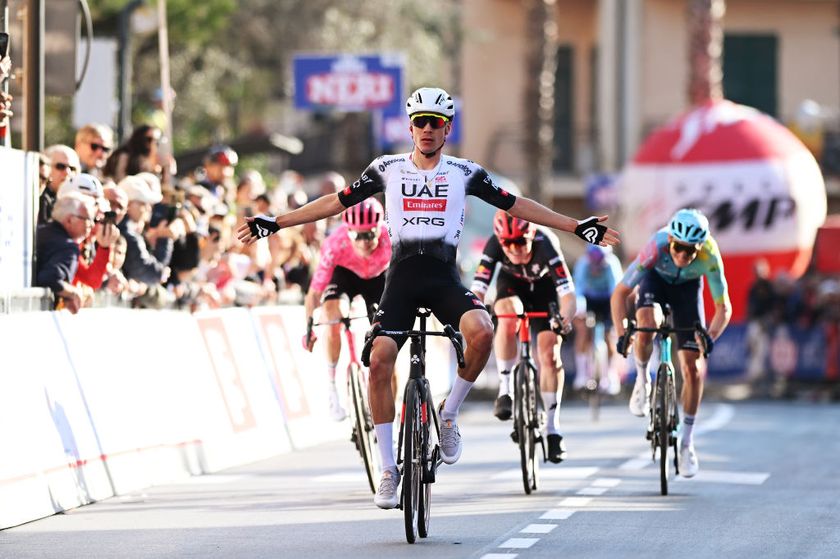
590,230
708,342
622,345
262,226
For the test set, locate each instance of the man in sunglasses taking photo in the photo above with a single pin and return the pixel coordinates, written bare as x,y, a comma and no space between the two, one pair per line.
670,269
352,262
533,274
425,196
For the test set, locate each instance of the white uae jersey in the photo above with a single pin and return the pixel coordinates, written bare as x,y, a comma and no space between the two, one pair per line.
424,210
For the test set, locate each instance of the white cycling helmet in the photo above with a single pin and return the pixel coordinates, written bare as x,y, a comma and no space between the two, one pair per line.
430,100
689,226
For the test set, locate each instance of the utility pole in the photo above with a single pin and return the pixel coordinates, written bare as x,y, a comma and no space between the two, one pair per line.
33,75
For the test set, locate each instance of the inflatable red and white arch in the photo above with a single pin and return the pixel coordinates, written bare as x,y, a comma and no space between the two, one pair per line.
761,188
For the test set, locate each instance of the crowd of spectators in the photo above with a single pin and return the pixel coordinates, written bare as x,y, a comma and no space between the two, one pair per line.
144,236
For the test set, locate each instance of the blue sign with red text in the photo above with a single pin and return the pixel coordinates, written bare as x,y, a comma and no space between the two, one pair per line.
350,83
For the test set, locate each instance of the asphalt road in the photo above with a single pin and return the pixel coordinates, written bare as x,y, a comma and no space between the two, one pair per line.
768,487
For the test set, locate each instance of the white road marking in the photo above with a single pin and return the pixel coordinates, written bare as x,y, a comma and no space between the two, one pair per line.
550,473
212,479
744,478
346,476
557,514
593,491
519,543
575,502
498,556
637,463
538,528
722,415
606,482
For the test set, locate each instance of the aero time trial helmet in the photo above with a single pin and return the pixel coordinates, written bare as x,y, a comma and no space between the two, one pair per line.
689,226
430,100
367,214
509,228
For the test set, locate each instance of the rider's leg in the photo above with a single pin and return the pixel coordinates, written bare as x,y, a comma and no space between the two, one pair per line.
506,348
642,349
551,376
693,371
583,342
477,329
331,311
382,358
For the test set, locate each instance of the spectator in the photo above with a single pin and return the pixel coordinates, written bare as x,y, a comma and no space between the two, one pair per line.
57,249
44,170
262,204
65,163
139,264
5,99
760,302
95,248
93,144
138,155
219,166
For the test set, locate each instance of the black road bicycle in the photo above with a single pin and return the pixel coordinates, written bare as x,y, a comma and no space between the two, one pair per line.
528,417
363,435
664,416
418,445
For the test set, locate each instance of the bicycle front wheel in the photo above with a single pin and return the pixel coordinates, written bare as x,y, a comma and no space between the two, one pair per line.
412,465
365,436
428,464
526,424
663,434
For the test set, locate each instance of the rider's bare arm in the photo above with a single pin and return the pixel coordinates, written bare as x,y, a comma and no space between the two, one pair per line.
618,308
535,212
723,312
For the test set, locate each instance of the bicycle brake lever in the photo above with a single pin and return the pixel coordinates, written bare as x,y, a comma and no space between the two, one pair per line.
369,337
457,342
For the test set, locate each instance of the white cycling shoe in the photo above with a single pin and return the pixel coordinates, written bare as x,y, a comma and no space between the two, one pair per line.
640,399
337,413
689,464
387,496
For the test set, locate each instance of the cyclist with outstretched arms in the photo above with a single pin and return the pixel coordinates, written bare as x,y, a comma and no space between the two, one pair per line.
425,197
532,275
596,274
670,270
352,262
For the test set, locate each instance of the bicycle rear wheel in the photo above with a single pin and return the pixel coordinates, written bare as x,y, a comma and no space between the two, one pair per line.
412,467
663,434
428,464
534,425
363,426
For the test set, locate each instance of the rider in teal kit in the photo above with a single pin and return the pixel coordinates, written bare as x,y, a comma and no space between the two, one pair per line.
670,270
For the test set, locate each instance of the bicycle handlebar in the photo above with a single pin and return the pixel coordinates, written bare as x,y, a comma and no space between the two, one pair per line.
553,314
665,330
454,336
339,320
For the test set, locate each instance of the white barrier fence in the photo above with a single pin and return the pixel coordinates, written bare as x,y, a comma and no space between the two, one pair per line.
111,400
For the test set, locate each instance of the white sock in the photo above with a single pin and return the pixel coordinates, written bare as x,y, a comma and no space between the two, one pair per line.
460,389
385,438
642,373
550,401
504,383
581,366
331,372
687,431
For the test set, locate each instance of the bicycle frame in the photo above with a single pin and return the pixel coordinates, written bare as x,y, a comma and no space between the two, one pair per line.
419,454
664,417
526,420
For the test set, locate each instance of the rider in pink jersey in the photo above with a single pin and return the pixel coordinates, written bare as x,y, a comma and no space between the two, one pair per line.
353,262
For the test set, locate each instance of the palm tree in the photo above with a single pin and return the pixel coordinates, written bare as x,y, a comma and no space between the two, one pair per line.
705,50
540,65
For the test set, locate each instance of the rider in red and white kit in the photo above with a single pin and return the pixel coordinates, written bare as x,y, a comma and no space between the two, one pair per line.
353,262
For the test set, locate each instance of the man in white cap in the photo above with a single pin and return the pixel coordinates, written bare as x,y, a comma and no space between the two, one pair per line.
140,264
65,164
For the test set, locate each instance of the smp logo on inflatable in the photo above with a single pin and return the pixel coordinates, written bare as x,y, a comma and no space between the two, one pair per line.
760,187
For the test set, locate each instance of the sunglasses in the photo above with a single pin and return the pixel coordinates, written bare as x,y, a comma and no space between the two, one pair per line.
96,147
421,120
689,250
64,167
520,242
362,235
